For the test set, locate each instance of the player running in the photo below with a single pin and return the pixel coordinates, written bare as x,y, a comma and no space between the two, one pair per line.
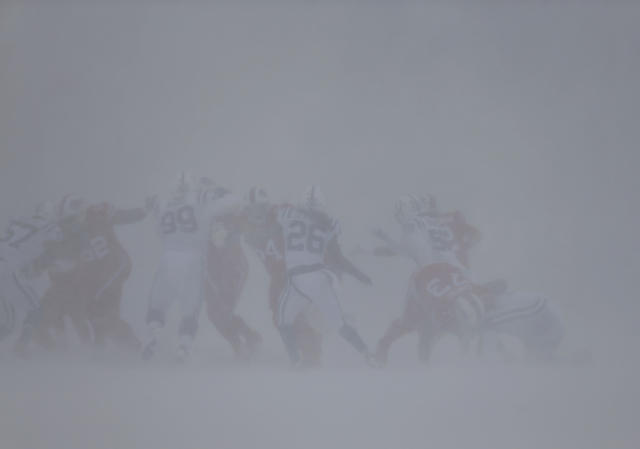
310,240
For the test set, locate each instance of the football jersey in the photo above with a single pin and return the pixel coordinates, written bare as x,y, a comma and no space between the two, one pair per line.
24,241
90,247
264,236
430,240
306,235
184,222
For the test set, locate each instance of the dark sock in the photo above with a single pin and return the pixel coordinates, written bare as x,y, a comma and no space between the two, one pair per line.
351,335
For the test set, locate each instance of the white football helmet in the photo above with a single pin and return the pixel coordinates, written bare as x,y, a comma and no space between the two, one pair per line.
71,205
185,183
313,199
427,204
409,207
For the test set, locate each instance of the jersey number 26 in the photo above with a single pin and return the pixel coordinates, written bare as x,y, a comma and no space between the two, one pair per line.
303,237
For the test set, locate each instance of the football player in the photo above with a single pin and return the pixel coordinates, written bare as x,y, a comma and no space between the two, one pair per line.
440,296
310,240
263,234
89,268
227,272
184,223
21,244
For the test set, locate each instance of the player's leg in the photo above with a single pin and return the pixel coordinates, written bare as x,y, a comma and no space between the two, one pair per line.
162,293
192,295
412,318
30,323
319,287
15,304
220,316
428,334
309,342
51,315
7,317
251,338
107,321
218,300
541,330
223,289
235,284
75,306
27,333
291,305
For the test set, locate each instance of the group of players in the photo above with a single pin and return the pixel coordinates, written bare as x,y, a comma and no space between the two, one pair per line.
72,249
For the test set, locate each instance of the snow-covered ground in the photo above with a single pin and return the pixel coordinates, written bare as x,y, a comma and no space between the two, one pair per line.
222,404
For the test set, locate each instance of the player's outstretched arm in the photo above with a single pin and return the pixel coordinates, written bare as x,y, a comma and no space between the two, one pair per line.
133,215
390,248
337,261
226,204
128,216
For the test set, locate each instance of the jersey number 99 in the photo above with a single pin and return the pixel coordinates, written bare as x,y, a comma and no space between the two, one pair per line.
183,220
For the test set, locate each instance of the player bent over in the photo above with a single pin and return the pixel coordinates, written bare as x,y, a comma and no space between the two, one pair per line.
440,295
88,269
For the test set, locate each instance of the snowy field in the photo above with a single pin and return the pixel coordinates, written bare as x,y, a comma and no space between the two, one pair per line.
213,405
522,115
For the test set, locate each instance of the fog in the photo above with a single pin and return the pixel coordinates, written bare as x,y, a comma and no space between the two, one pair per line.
522,116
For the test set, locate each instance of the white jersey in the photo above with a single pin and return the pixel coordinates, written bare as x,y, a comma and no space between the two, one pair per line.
184,222
428,240
306,236
24,241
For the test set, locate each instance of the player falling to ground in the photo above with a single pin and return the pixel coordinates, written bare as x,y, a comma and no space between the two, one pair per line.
439,297
311,238
184,223
263,234
21,244
88,270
